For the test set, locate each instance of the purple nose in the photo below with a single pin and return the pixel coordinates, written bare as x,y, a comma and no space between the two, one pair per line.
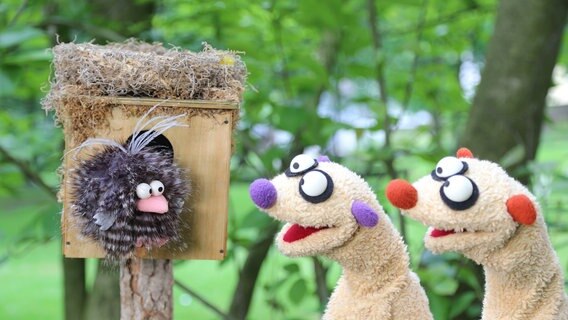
263,193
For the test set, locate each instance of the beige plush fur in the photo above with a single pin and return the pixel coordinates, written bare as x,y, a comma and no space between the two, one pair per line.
376,282
524,280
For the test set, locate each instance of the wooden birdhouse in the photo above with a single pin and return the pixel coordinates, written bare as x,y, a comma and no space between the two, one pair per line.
103,91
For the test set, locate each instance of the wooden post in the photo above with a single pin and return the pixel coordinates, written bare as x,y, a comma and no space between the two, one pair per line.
146,289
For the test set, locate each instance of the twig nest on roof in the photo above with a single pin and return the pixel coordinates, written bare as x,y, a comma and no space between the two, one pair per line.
139,69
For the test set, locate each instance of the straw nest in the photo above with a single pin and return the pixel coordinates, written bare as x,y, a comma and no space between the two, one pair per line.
138,69
86,74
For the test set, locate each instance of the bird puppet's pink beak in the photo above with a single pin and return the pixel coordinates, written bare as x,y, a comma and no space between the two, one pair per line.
154,204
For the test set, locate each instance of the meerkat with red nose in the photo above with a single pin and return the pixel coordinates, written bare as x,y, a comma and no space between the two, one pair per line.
331,211
475,208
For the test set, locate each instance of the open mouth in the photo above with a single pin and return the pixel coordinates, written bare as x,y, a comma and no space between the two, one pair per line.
437,233
297,232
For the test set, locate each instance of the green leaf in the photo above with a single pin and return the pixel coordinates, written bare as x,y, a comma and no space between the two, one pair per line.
439,277
292,268
446,287
461,303
513,156
51,220
291,119
6,85
468,276
474,311
40,55
255,220
439,306
297,291
273,286
13,37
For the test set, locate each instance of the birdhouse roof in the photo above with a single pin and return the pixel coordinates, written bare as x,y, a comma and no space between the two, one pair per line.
138,69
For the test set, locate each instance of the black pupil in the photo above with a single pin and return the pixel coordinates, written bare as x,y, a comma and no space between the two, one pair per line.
160,189
295,165
439,170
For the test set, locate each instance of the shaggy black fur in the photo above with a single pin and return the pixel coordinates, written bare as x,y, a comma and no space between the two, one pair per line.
105,185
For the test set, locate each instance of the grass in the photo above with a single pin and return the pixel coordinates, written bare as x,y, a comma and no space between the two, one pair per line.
32,285
552,159
31,282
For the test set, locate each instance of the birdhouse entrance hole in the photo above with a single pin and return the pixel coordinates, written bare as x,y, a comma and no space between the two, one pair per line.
160,143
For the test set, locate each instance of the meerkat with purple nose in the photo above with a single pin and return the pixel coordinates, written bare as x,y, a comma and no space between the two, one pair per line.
331,211
475,208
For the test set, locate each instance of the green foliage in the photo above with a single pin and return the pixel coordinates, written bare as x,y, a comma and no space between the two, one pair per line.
28,141
453,285
314,71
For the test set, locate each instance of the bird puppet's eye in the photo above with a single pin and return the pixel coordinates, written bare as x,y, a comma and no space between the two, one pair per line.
300,164
157,187
447,167
316,186
459,192
143,191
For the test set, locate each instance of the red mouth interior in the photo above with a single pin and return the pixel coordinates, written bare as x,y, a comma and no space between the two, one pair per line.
440,233
297,232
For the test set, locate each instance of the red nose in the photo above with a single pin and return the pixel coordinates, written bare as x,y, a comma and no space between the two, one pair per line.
402,194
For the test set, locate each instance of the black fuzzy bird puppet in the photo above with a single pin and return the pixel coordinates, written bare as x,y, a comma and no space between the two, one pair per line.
132,194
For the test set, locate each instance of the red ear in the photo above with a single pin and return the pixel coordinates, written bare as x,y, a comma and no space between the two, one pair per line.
464,153
521,208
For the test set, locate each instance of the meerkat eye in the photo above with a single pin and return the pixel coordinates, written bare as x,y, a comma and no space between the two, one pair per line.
157,187
143,191
316,186
447,167
300,164
459,192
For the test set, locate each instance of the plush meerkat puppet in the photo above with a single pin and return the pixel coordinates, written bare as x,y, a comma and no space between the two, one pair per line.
130,195
475,208
331,211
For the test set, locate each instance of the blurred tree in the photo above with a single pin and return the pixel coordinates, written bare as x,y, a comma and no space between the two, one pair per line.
507,114
104,298
127,18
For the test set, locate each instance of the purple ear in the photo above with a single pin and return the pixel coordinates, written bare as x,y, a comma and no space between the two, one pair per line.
323,158
365,215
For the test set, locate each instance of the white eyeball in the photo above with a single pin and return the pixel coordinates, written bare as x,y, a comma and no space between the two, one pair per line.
458,188
301,163
313,183
143,191
157,187
449,166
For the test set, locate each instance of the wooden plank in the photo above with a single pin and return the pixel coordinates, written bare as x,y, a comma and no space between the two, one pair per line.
199,104
204,149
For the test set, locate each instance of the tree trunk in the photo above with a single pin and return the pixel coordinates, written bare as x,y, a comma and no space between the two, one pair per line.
146,289
104,299
508,108
322,290
74,288
127,17
242,296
